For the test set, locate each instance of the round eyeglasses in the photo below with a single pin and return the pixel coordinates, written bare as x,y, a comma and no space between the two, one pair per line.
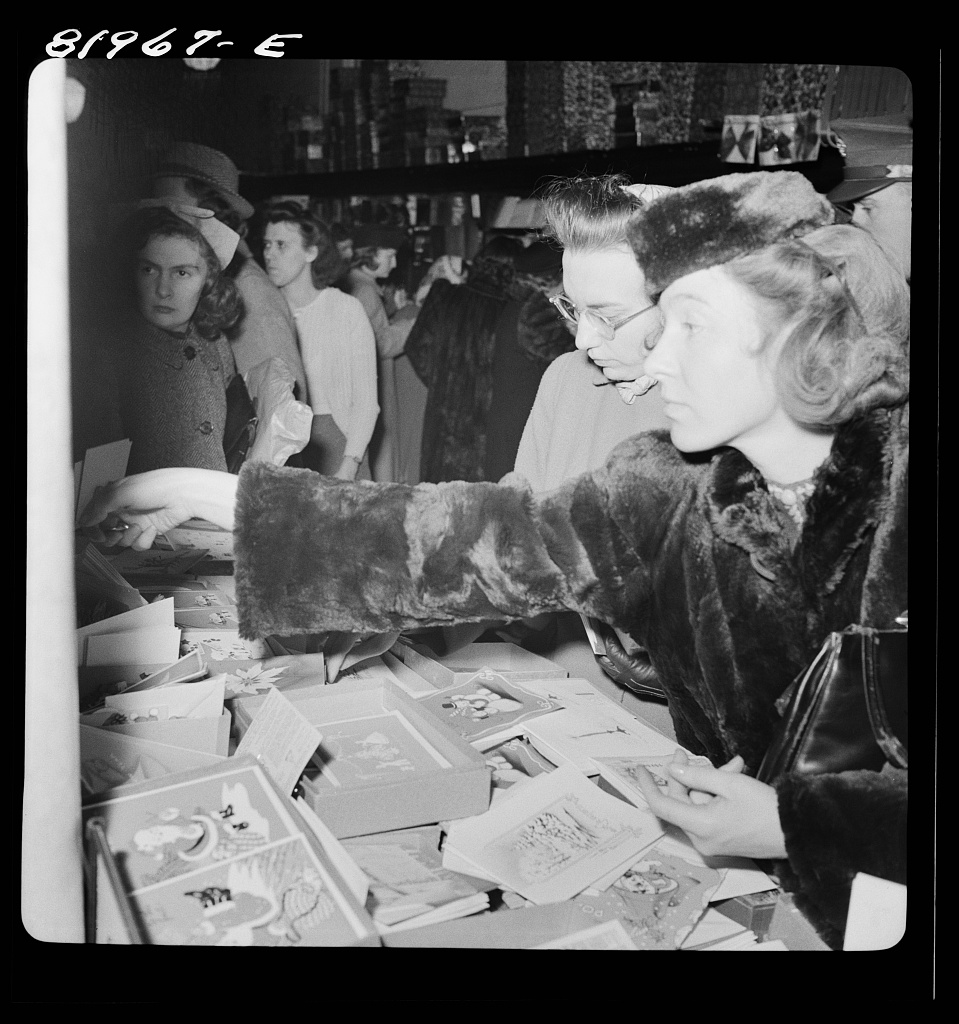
600,324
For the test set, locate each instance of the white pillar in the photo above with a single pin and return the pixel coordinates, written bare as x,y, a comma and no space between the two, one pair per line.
51,894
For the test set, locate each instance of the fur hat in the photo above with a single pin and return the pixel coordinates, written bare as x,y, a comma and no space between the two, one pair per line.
191,160
711,222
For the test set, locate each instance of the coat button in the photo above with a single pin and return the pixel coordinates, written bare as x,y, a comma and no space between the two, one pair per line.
190,352
206,427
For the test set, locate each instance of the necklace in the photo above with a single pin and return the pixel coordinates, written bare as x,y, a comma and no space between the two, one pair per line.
793,497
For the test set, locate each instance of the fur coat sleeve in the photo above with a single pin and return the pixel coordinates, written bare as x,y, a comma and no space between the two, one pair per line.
314,555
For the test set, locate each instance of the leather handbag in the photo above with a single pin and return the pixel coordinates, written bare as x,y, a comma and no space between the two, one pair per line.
241,420
847,710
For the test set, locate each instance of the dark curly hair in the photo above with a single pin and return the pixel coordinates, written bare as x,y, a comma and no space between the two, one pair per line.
220,307
329,266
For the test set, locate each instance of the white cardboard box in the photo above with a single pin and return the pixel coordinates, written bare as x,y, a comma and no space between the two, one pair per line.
372,791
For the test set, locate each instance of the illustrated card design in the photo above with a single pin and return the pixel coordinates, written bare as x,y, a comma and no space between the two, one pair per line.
279,895
557,835
200,600
486,705
372,749
222,617
659,899
224,650
175,829
202,698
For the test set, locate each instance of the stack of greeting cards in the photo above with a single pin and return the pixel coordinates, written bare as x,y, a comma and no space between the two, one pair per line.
409,886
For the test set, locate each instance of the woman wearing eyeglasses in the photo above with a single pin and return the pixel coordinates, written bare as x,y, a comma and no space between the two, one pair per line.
772,513
591,399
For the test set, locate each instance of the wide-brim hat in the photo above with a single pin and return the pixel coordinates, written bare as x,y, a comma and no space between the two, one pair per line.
380,236
877,154
712,222
192,160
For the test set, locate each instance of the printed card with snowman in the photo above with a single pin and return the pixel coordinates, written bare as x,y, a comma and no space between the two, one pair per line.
488,708
219,857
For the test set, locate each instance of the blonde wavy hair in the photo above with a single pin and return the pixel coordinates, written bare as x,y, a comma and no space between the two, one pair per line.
845,304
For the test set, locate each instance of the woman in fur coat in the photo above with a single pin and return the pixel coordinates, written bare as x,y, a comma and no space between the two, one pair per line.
771,513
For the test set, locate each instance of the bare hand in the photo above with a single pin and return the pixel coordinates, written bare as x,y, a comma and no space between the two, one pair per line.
131,512
739,816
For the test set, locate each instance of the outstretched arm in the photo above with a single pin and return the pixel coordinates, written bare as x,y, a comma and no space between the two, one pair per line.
133,511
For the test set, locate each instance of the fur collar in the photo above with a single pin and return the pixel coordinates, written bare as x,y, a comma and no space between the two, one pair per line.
845,508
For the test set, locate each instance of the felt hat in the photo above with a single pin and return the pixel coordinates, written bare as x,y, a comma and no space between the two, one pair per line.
877,155
222,239
191,160
713,221
380,236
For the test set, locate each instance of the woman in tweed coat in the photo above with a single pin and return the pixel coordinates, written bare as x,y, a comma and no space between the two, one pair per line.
172,361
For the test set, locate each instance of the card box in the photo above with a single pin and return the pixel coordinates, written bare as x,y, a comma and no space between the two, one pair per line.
508,660
211,735
753,910
443,778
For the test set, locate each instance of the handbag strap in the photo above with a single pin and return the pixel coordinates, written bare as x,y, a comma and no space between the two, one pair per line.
890,744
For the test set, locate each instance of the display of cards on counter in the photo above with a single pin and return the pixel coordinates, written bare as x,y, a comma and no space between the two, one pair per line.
372,749
554,836
487,708
219,857
658,900
576,735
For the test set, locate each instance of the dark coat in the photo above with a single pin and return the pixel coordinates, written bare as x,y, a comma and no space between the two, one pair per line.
687,554
452,347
